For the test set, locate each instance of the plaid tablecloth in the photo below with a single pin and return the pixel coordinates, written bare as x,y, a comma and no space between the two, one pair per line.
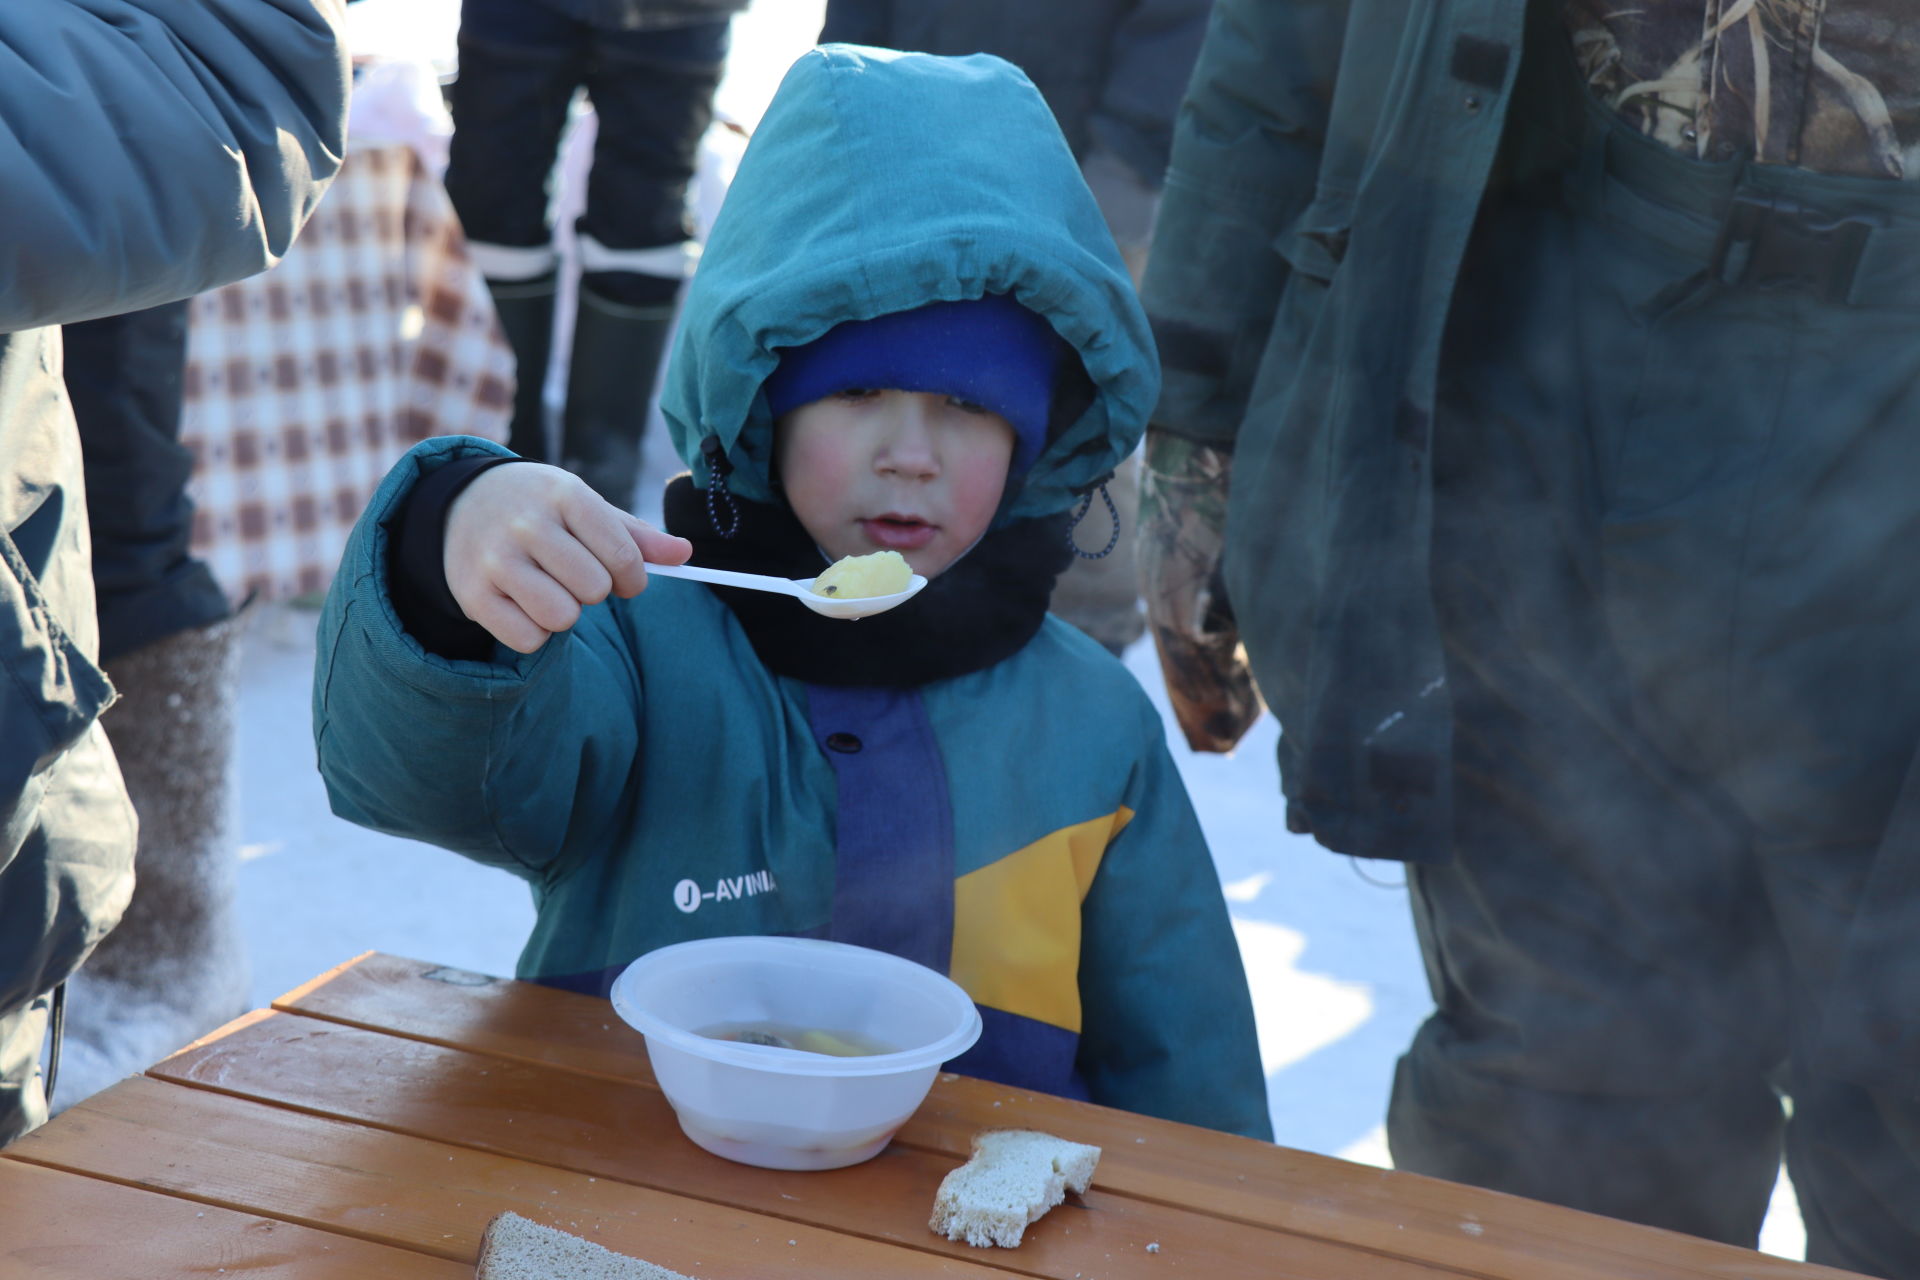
303,385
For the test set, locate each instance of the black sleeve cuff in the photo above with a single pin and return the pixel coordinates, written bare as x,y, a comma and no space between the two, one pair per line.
416,564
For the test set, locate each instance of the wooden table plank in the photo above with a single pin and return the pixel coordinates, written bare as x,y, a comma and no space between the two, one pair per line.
618,1129
426,1196
61,1226
1426,1219
467,1010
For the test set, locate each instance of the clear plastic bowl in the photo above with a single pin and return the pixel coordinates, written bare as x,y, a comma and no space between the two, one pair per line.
781,1108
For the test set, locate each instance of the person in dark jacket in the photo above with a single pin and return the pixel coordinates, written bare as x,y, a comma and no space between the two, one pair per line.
650,68
1547,373
1113,72
108,108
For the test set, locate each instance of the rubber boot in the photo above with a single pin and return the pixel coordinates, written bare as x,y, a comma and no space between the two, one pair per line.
175,967
525,308
616,353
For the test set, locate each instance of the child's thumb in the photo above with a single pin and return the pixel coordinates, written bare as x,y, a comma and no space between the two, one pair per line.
656,545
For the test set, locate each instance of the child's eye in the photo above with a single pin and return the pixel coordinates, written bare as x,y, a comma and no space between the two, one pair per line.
967,406
856,393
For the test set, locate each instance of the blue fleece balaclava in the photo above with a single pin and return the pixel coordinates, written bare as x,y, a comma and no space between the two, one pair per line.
990,351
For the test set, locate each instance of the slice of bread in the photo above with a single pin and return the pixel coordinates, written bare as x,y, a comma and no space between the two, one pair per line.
517,1248
1014,1177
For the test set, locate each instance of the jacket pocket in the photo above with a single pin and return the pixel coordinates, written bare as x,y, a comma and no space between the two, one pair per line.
1313,247
50,692
1315,243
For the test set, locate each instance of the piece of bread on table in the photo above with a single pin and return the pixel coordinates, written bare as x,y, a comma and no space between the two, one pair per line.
1014,1177
517,1248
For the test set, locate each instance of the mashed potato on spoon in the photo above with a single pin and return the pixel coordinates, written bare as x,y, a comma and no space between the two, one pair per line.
883,573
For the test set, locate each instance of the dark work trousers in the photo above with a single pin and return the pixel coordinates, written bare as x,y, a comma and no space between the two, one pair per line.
1676,564
652,89
123,374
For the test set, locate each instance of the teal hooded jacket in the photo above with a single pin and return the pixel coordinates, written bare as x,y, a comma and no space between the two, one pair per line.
1021,826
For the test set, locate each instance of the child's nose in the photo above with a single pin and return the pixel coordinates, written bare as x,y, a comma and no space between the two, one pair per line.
908,448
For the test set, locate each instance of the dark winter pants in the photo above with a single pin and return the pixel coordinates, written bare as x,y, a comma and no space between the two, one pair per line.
124,374
652,89
1677,568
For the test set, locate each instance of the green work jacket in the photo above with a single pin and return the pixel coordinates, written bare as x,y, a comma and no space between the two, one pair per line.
1327,168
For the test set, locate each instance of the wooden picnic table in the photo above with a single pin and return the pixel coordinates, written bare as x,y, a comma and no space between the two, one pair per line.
370,1123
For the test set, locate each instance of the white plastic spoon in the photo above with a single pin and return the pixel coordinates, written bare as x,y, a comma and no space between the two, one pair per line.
799,588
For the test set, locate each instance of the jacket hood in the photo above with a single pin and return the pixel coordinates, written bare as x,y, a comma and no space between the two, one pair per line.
881,181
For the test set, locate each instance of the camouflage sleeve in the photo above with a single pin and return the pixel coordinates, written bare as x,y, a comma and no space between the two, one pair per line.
1182,532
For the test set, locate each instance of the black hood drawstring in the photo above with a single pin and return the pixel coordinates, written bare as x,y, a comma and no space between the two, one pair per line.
1080,513
719,467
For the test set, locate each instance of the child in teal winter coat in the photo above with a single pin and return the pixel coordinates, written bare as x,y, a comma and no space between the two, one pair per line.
910,331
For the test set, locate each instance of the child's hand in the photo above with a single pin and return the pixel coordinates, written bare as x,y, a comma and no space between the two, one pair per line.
527,545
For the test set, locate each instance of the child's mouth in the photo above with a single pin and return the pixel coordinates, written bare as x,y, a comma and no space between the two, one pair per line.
898,533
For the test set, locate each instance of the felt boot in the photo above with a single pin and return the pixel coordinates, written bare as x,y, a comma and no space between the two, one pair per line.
175,967
616,354
525,308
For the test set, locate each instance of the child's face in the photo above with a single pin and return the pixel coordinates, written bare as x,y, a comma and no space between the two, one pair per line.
904,471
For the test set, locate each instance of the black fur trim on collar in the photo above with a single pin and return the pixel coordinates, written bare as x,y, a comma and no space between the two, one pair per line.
982,610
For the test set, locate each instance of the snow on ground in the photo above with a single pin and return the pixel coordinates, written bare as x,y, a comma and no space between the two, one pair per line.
1336,976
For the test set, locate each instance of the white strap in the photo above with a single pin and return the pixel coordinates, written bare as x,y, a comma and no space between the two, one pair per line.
512,263
665,262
